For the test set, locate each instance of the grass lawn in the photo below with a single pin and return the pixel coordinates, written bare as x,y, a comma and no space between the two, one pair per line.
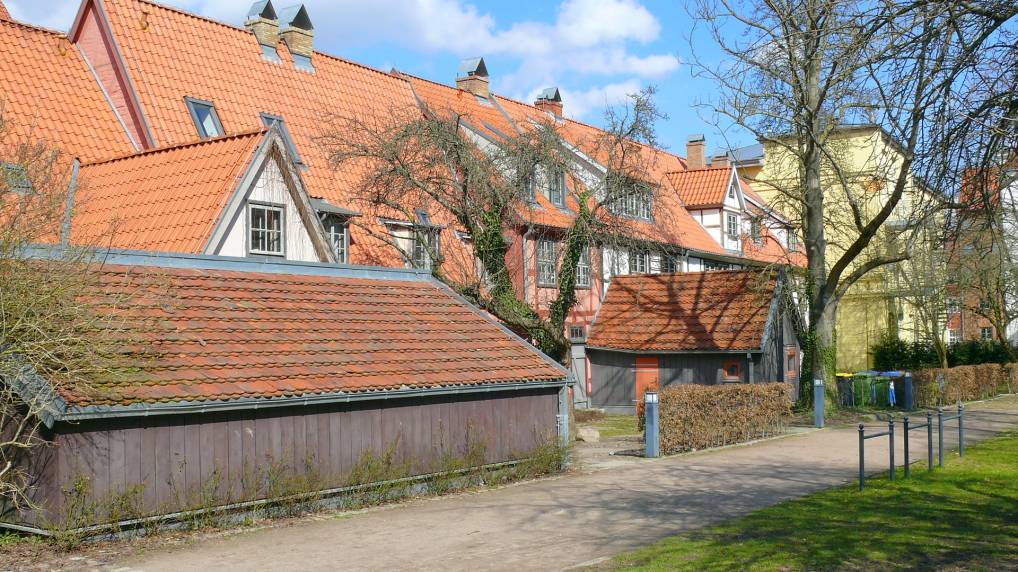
964,517
615,425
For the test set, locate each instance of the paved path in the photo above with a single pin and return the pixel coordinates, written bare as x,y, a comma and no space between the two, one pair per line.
566,521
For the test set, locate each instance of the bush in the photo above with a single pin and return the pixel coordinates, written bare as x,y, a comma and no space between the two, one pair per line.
892,353
963,383
702,416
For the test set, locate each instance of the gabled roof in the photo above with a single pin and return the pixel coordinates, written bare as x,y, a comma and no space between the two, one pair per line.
689,312
214,330
49,96
4,14
166,199
702,187
178,54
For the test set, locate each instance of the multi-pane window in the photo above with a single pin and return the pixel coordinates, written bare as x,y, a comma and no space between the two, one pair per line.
557,188
756,232
732,226
639,262
577,333
793,241
336,229
984,305
424,248
636,203
953,306
529,192
583,269
952,336
711,266
266,224
547,263
986,334
205,118
269,120
669,264
14,178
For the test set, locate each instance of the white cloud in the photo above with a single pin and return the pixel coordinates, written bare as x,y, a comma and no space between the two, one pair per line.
591,22
593,101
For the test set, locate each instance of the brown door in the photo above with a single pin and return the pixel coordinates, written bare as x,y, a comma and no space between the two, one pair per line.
646,375
791,364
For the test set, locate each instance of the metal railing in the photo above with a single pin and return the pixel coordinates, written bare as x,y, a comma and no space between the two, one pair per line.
907,426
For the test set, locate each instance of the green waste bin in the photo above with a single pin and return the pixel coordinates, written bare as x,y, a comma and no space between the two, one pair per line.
863,386
882,389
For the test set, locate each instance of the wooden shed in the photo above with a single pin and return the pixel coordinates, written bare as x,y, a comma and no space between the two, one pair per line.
241,365
697,327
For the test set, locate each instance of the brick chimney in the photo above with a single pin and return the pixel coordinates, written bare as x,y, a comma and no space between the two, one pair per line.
550,101
472,76
263,23
296,30
720,161
696,157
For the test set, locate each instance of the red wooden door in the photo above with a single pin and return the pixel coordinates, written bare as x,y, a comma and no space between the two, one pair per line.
646,375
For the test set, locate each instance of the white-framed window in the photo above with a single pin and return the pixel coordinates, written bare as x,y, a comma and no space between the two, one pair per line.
530,189
952,336
986,334
984,305
732,226
338,232
669,264
639,262
793,241
953,306
731,192
269,120
577,333
547,262
266,229
583,269
711,266
424,247
756,231
557,188
636,203
205,118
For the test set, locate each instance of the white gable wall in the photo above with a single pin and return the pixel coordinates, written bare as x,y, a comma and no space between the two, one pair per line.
269,188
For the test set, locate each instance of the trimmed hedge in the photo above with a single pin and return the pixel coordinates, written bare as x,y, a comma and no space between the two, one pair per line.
964,383
703,416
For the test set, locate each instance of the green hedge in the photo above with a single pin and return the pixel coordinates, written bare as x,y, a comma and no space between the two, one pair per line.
703,416
891,353
964,383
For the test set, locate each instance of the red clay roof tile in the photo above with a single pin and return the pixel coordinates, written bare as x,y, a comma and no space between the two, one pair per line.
218,335
696,311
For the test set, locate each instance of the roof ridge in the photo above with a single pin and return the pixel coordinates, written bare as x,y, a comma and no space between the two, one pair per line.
243,30
176,146
35,28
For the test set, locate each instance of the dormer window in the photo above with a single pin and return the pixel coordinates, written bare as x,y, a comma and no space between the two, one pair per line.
733,226
270,53
303,62
634,203
266,229
756,232
557,188
424,247
205,118
337,229
15,179
269,120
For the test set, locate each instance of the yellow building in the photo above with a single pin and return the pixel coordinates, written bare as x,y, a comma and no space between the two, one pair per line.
863,164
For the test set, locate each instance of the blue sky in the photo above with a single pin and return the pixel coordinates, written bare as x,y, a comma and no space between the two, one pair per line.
595,51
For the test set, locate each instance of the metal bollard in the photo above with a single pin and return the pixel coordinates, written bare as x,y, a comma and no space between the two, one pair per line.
651,438
862,456
961,430
929,439
818,403
890,438
908,462
940,436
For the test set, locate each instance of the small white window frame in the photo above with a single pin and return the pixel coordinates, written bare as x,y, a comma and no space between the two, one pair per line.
547,262
251,230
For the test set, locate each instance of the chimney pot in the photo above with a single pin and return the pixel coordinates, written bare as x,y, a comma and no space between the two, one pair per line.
262,21
550,101
473,77
696,152
296,30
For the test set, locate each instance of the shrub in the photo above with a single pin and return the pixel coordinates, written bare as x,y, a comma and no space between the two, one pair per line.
701,416
963,383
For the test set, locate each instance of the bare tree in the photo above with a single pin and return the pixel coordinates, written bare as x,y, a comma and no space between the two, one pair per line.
486,187
797,73
51,337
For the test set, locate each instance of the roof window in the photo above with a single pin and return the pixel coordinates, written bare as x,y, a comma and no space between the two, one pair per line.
15,178
205,118
270,53
269,120
303,62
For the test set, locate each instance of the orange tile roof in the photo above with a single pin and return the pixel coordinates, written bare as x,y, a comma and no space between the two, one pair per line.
696,311
4,14
223,334
167,199
702,187
49,96
178,54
